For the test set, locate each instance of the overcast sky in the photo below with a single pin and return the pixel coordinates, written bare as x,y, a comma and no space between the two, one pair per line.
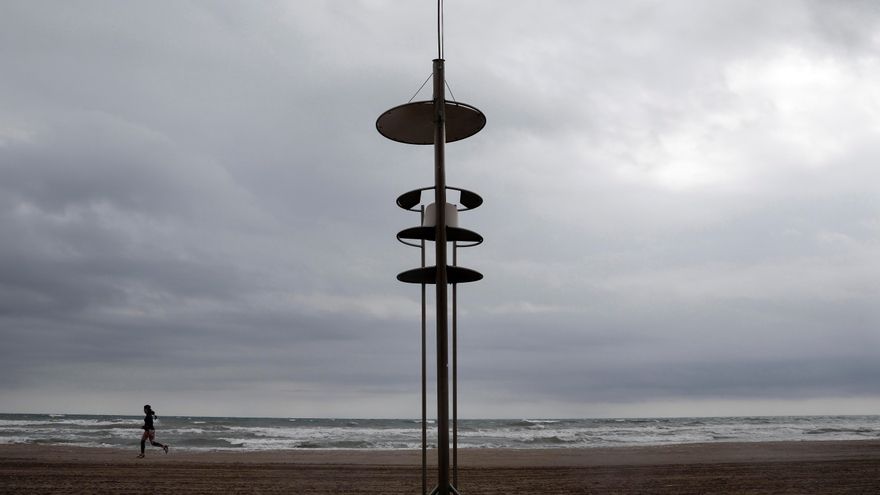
681,207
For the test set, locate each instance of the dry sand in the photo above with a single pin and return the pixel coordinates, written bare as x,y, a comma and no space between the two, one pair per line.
741,468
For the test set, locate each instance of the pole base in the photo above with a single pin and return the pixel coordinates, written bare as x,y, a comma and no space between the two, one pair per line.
452,490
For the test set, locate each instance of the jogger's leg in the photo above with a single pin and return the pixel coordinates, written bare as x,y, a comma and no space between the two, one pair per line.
153,441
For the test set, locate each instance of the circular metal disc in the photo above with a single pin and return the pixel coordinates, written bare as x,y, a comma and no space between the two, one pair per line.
428,275
413,123
468,199
453,234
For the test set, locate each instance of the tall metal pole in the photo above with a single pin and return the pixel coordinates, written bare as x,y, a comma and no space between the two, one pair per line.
424,373
455,371
442,314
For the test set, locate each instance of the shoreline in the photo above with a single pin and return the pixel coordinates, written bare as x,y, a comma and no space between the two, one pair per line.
807,467
685,453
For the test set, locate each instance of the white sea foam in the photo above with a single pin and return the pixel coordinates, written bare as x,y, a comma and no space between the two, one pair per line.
4,440
187,431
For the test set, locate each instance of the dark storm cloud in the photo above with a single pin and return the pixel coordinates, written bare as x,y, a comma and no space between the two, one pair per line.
680,203
80,211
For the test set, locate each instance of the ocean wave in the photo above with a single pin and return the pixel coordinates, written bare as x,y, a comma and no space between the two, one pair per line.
186,431
826,431
91,423
211,443
532,423
549,441
10,440
341,444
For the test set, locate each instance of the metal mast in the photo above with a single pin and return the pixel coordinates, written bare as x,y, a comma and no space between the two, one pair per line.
438,122
441,301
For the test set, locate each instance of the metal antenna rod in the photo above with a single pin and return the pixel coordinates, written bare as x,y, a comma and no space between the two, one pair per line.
440,29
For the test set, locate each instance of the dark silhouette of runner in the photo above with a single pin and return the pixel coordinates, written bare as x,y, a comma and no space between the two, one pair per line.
150,431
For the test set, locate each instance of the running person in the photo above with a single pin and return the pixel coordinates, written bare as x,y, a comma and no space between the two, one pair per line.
150,431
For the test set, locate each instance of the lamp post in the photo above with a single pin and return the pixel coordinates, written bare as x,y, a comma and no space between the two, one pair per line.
438,122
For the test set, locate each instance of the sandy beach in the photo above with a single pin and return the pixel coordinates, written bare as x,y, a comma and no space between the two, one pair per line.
851,467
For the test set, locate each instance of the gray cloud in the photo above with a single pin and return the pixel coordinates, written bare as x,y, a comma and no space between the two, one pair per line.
680,206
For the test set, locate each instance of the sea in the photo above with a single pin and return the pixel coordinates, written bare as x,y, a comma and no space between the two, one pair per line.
195,433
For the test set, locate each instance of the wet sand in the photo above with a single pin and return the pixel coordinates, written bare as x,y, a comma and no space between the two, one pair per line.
740,468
